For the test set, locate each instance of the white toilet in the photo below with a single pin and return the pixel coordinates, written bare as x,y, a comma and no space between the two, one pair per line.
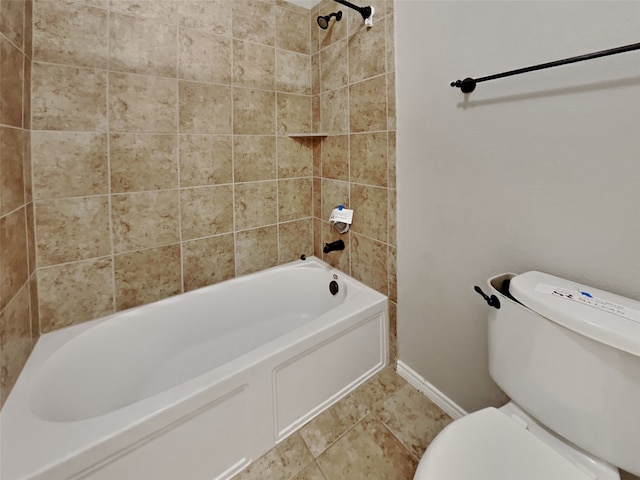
569,357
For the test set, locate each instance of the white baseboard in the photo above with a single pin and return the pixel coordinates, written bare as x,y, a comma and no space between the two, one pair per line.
432,393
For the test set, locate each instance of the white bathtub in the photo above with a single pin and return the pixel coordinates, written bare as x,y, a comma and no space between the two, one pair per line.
195,386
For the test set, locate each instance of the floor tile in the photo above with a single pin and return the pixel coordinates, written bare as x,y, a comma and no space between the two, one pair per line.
326,428
412,418
280,463
379,431
379,388
367,452
310,472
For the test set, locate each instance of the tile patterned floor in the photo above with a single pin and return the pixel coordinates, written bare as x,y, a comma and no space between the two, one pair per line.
379,431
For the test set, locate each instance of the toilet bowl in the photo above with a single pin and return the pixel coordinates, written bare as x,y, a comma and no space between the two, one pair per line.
568,356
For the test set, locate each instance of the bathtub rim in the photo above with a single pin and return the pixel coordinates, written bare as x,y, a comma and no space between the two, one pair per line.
166,407
52,341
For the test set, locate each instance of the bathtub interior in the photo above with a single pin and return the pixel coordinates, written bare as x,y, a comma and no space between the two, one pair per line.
134,365
307,360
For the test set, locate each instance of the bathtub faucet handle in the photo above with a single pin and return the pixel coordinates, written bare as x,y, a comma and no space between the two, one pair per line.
333,246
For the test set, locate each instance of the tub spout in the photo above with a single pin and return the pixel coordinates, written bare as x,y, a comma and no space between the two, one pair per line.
330,247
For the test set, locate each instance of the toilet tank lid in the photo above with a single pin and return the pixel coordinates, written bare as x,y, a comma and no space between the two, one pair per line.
597,314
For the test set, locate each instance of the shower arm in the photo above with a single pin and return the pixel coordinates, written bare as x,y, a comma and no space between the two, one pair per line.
366,12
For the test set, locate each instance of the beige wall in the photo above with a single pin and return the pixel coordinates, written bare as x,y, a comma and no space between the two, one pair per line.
539,171
354,102
18,294
161,157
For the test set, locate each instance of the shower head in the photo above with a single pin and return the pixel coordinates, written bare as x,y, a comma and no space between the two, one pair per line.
323,21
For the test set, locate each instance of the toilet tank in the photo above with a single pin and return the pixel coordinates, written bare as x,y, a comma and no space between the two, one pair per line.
569,355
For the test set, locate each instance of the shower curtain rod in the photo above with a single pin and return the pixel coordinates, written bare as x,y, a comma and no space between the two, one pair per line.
468,85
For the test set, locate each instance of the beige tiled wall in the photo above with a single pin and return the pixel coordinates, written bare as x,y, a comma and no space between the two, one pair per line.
160,157
353,87
18,293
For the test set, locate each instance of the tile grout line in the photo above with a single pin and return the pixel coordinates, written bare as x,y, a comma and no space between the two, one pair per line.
321,470
15,210
145,248
233,153
343,434
320,125
275,124
33,203
393,434
156,190
15,296
177,158
21,50
368,408
373,417
351,248
189,134
308,450
386,113
114,302
232,84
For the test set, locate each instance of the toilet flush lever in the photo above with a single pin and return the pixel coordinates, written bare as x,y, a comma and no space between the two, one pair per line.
492,301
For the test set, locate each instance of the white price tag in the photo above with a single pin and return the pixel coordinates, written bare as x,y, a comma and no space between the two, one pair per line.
586,298
343,215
